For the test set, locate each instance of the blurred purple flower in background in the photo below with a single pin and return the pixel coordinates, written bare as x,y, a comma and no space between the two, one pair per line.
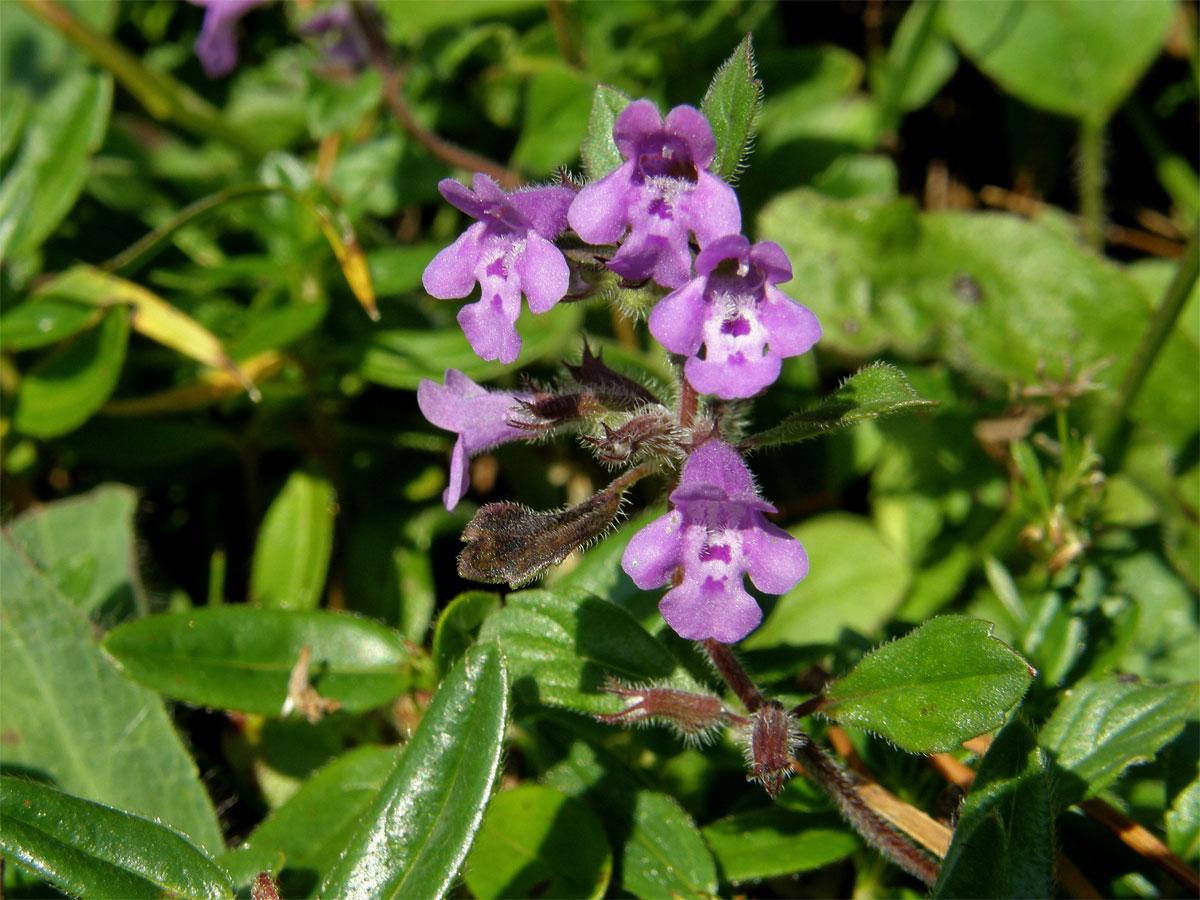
746,325
216,45
507,252
661,192
480,417
717,533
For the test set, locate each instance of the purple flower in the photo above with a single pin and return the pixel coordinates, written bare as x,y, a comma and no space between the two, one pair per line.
479,416
717,533
507,252
344,41
661,192
217,44
746,325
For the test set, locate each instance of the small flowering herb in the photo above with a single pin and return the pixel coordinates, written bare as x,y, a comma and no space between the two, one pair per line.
481,418
717,534
733,310
216,45
507,252
661,193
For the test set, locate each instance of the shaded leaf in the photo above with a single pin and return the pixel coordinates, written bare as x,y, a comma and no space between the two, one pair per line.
873,392
1003,845
934,688
599,152
538,842
291,558
731,105
1101,727
418,832
765,843
58,686
91,850
71,382
458,625
240,657
40,321
560,646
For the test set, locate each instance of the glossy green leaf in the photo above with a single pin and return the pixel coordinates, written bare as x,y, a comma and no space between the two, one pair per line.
40,321
91,850
599,152
311,828
934,688
873,392
239,657
561,646
538,842
731,105
1003,845
1101,727
661,852
816,611
71,382
85,545
244,864
58,687
766,843
458,625
291,558
1070,57
40,188
416,835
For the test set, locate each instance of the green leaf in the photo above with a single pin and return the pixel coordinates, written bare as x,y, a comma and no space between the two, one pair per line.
408,23
239,657
91,850
872,392
40,321
919,57
40,188
767,843
560,648
599,152
311,828
1003,845
68,716
662,854
458,626
816,611
731,105
1055,639
85,545
1183,823
1070,57
417,834
937,686
557,104
1101,727
538,842
244,864
71,382
291,558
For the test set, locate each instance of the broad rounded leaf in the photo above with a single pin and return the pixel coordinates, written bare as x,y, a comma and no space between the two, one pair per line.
240,657
1072,57
538,842
765,843
418,832
934,688
72,381
561,646
291,558
91,850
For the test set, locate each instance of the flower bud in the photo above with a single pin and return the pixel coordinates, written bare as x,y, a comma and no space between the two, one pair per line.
695,717
768,750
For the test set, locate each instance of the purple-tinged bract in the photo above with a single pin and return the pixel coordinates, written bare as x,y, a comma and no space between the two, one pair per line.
480,417
216,45
660,193
509,251
732,308
717,533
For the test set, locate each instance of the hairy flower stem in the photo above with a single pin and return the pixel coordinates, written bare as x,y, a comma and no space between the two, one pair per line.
735,676
880,833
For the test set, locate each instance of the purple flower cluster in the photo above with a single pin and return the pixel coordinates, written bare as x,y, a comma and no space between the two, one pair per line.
661,218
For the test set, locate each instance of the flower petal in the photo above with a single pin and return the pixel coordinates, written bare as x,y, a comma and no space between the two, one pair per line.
733,377
710,209
654,552
639,120
677,320
792,328
490,329
688,123
451,274
460,476
543,271
775,561
545,208
715,608
599,211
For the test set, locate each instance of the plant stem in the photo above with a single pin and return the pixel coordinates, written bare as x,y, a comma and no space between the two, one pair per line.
879,832
735,676
1091,179
161,95
1147,350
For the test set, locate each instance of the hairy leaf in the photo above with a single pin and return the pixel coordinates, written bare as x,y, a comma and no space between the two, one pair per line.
731,105
599,152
